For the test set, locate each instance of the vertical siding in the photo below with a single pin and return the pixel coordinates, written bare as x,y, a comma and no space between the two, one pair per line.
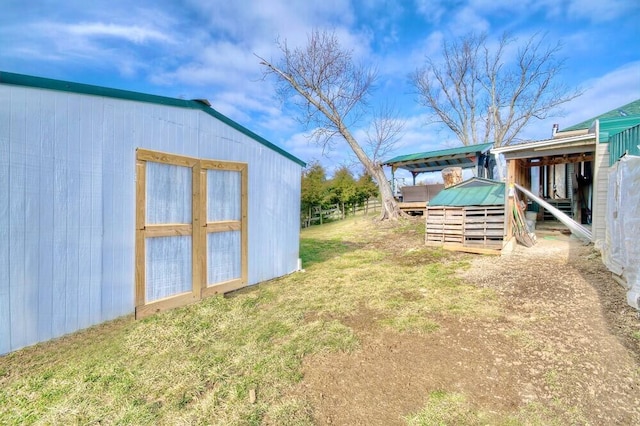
18,278
95,280
46,136
84,215
60,205
601,180
67,204
5,199
72,240
31,215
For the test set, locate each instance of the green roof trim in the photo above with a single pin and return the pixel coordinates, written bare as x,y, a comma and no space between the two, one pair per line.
632,108
472,192
87,89
469,149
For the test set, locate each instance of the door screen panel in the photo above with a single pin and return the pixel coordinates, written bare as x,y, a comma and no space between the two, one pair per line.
168,193
223,195
168,266
223,257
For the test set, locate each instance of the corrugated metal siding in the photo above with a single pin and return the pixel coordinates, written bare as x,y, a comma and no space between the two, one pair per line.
601,183
627,142
67,204
473,194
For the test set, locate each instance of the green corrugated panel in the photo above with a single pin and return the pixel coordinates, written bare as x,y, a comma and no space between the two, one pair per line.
610,127
469,149
87,89
625,142
629,109
473,192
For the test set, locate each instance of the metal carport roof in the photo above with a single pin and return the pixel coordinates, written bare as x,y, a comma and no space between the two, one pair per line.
433,161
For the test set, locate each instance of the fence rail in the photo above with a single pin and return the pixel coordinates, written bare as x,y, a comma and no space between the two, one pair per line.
320,214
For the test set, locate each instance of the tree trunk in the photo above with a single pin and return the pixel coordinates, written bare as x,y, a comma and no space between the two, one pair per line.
391,210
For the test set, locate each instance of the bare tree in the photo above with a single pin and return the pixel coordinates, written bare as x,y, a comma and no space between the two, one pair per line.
333,97
385,130
482,96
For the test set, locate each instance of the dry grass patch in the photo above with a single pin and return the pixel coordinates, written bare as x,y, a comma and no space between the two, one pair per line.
200,364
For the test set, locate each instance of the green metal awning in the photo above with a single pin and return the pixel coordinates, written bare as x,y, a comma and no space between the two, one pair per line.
433,161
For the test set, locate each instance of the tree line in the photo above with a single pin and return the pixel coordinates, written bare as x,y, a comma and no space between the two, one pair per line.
342,189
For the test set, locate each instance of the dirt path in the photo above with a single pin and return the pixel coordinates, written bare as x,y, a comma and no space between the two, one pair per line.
563,348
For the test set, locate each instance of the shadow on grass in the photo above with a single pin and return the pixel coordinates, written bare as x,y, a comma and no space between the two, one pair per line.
313,250
621,318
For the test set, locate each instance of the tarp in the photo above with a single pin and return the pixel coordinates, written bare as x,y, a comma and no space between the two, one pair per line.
621,249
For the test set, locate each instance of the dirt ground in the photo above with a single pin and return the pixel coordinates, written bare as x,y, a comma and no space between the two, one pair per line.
565,344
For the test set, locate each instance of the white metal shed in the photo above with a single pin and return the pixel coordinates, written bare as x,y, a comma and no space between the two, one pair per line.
114,202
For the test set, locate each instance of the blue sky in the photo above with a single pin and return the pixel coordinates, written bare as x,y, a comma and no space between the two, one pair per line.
205,49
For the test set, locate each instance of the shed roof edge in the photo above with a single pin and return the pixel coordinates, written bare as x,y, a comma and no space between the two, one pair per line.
87,89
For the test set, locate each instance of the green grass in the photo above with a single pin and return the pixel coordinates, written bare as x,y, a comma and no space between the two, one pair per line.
198,364
444,408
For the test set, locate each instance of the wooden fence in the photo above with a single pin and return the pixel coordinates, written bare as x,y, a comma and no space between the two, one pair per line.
317,215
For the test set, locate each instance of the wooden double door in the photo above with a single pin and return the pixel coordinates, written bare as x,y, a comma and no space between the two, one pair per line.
191,229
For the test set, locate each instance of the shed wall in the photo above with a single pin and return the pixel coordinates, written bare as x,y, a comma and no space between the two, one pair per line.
67,204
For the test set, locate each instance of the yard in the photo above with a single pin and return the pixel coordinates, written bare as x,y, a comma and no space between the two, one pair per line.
378,329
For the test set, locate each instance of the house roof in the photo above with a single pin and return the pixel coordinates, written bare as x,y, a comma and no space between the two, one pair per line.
629,109
202,105
549,147
473,192
433,161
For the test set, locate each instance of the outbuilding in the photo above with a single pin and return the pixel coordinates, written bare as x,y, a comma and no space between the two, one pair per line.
115,202
570,170
469,216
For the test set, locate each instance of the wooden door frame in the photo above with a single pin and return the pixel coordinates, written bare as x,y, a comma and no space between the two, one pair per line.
198,230
226,225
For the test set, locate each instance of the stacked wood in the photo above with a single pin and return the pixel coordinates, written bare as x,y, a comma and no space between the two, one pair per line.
520,229
452,176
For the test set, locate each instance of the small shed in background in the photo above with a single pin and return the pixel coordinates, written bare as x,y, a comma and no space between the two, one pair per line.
114,202
469,216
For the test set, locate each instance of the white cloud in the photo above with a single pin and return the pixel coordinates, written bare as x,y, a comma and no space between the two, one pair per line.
432,10
133,33
302,147
252,20
605,93
602,94
218,62
601,11
467,20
